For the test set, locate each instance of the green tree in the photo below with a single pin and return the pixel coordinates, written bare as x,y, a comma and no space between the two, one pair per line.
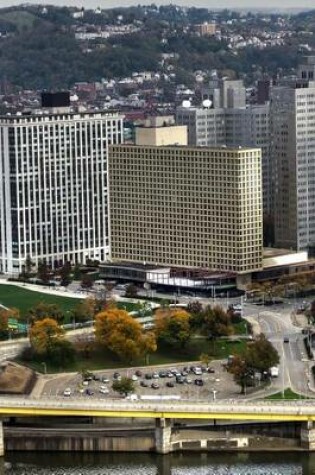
45,310
65,274
258,357
87,282
196,312
131,291
261,355
77,272
216,322
84,310
43,272
205,359
124,387
172,327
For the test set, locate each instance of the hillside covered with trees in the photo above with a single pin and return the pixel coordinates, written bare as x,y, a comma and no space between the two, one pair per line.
39,46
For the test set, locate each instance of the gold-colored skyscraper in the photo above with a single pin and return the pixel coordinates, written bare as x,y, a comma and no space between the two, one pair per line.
186,206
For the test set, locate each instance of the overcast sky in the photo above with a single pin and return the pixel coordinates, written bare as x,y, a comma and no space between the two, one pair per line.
197,3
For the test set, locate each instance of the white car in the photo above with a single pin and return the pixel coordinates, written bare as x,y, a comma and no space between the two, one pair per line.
104,390
134,377
67,392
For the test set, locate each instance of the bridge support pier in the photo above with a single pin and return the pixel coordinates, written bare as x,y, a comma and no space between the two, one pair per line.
1,439
163,432
308,435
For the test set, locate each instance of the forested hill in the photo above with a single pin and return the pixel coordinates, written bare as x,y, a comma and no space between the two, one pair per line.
41,47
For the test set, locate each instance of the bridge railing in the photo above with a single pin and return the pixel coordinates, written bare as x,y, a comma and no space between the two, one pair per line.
223,406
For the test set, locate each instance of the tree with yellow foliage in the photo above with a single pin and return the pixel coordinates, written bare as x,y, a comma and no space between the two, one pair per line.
172,326
44,334
116,330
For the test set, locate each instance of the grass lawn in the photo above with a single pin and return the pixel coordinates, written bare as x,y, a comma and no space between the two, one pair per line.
288,394
24,299
101,359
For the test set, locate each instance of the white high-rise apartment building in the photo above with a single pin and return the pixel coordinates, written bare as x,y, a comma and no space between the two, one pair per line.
293,152
53,186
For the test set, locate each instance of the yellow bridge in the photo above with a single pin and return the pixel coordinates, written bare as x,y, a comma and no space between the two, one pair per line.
164,412
225,410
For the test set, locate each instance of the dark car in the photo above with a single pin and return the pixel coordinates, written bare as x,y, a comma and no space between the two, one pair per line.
148,376
144,384
198,382
138,373
180,380
162,374
89,392
116,375
155,386
169,384
211,370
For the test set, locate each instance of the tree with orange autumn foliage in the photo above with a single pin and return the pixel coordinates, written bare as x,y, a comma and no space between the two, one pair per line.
116,330
172,326
44,334
5,314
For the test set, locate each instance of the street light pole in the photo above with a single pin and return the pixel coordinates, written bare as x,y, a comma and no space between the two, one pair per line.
282,372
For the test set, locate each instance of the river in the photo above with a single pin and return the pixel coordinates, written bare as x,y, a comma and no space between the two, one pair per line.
272,463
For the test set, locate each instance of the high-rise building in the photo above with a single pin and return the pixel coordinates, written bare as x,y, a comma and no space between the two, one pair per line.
186,206
53,186
241,126
293,154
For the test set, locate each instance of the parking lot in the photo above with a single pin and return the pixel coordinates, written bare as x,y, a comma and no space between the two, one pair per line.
183,382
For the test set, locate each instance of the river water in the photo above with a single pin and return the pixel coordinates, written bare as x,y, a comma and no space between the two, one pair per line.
272,463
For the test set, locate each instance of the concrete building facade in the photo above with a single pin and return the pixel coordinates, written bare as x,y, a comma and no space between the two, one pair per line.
293,153
232,127
53,187
165,135
186,207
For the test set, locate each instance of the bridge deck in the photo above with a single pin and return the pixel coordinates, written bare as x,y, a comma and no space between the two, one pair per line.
229,409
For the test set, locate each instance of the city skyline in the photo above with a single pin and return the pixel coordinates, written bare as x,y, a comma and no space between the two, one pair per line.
231,4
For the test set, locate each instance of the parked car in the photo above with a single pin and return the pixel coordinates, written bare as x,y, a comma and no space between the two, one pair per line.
144,384
211,370
138,373
199,382
104,390
170,384
105,379
155,386
89,392
148,376
134,377
162,374
67,392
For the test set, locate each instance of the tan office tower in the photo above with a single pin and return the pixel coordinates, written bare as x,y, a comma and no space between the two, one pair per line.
186,206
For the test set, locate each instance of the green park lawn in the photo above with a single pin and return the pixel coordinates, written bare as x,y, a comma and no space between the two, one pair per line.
288,394
102,359
24,299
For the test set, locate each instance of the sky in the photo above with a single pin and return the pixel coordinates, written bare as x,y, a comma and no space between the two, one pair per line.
249,4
